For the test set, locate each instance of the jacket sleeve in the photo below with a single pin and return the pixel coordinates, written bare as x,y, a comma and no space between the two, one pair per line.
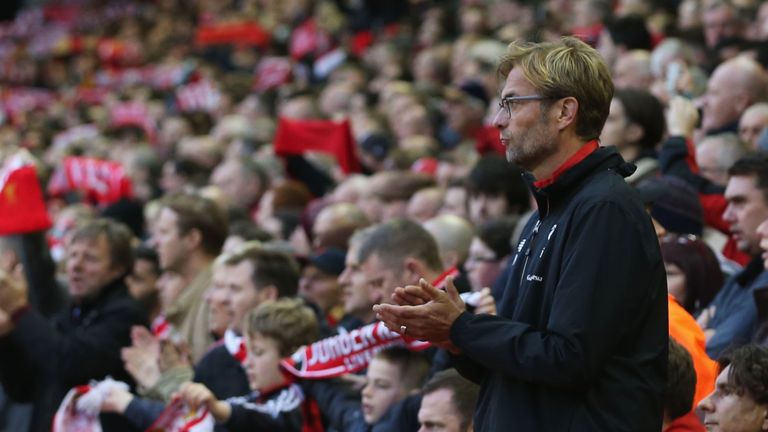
676,158
142,413
87,352
402,416
169,383
339,405
45,294
610,278
16,374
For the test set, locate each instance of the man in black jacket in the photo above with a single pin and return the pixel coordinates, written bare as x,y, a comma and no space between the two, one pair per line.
41,360
580,339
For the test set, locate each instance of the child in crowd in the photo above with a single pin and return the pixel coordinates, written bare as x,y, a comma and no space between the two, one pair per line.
273,331
389,399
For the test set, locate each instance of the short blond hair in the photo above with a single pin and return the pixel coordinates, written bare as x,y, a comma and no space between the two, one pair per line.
287,321
568,68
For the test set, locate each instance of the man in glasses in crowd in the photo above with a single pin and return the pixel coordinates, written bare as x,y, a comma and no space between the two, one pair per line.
580,339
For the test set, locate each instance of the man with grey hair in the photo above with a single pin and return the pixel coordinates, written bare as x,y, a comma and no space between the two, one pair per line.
335,224
397,253
380,258
453,235
716,153
424,204
242,181
721,21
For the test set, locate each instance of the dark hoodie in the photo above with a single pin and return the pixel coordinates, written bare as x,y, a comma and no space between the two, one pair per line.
580,339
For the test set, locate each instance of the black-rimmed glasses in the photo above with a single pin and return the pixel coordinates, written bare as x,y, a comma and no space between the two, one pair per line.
507,102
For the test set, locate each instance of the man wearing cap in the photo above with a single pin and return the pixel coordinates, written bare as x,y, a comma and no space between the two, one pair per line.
674,205
319,283
675,209
580,339
466,105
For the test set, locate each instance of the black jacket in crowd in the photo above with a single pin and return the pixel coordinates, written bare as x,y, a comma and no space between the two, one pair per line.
342,410
223,374
42,360
580,340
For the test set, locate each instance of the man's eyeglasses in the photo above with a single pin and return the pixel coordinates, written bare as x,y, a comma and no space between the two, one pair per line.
506,103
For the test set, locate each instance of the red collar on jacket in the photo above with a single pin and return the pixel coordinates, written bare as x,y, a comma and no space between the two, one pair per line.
577,157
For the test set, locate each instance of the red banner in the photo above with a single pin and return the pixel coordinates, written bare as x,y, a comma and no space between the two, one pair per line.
335,138
103,182
241,33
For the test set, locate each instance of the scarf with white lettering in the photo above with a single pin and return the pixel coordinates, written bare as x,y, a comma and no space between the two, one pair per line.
351,352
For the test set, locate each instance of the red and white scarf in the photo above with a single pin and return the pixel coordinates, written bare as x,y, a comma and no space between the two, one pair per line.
235,345
352,352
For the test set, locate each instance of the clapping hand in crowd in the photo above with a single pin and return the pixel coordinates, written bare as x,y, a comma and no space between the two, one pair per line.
682,117
424,312
142,358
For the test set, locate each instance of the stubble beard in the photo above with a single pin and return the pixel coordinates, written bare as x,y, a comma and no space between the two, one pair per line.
530,149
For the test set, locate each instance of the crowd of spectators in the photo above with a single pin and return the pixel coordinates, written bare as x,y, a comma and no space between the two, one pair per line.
230,180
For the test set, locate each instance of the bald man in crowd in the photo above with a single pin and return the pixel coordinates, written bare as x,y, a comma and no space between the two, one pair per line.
733,87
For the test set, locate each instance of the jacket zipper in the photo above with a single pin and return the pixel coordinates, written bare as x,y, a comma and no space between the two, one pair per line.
528,249
530,243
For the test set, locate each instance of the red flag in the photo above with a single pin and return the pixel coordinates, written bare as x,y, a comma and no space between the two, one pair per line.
332,137
21,201
241,33
118,52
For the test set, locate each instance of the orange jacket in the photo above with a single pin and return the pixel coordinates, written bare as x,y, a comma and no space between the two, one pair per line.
685,331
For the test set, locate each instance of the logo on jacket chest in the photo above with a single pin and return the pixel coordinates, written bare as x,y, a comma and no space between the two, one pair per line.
535,267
